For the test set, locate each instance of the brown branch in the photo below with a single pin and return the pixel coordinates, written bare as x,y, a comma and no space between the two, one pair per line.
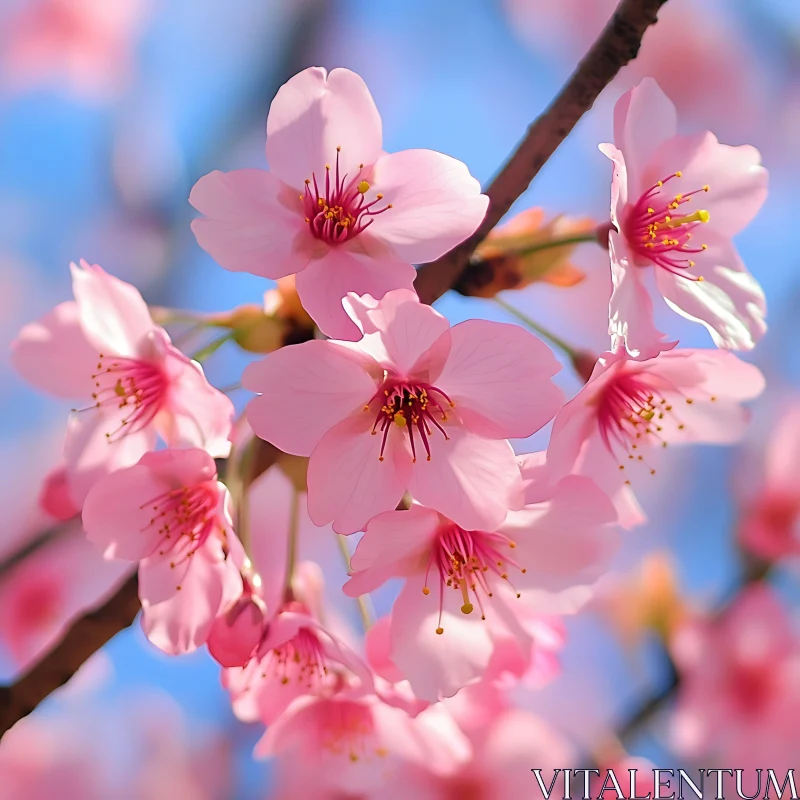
616,46
87,635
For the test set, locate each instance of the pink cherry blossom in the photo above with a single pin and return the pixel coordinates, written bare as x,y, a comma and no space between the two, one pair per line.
334,207
472,598
770,521
614,428
43,593
413,406
169,512
55,498
86,44
105,350
739,693
676,202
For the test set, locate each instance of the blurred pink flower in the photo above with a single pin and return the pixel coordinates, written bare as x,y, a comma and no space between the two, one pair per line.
314,213
86,44
472,599
770,521
739,695
169,513
45,591
105,348
613,428
657,174
55,498
451,395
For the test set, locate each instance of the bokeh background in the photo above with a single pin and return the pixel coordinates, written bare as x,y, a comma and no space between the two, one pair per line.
111,109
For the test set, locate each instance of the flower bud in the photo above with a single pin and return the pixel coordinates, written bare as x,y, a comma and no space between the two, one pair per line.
236,633
516,255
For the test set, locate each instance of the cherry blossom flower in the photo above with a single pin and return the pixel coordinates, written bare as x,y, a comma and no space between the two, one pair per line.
739,693
614,427
676,201
413,406
770,522
86,44
169,512
55,498
469,594
334,207
105,349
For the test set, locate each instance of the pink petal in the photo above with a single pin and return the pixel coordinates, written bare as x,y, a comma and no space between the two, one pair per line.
737,182
112,313
197,414
630,308
117,513
565,541
498,375
181,467
312,114
54,355
437,665
347,484
89,454
398,329
307,389
644,117
470,479
55,498
270,504
327,280
619,182
178,620
394,543
251,223
728,301
436,203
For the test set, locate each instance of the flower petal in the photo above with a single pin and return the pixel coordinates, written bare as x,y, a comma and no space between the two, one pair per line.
728,301
312,114
644,117
307,389
436,203
498,375
347,484
54,355
250,224
619,182
630,308
470,479
398,330
112,313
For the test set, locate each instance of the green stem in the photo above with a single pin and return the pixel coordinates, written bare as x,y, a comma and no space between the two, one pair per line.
212,347
364,607
535,326
578,238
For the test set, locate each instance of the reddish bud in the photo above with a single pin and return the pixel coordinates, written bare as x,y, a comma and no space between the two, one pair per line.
237,633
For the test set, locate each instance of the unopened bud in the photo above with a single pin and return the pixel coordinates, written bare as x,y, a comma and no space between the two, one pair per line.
252,329
236,634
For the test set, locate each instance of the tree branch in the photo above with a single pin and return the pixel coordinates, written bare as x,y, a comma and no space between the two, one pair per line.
617,45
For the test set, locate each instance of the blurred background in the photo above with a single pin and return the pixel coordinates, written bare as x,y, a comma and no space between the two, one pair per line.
110,110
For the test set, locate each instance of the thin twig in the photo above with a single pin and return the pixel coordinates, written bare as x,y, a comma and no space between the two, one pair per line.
617,45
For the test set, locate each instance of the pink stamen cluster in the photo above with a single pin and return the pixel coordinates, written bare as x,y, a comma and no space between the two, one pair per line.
339,211
139,387
185,518
410,406
465,561
349,728
300,660
657,234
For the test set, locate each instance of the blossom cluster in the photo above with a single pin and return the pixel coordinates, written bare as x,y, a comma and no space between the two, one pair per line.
390,426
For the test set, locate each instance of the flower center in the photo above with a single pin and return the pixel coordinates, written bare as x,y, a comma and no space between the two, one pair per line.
657,232
468,562
300,660
136,389
348,728
185,518
409,406
339,210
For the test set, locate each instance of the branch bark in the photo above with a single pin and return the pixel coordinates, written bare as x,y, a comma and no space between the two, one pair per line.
617,45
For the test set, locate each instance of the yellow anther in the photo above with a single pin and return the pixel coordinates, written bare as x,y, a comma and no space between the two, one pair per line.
400,421
467,608
363,187
678,174
647,414
426,591
706,188
700,215
440,631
